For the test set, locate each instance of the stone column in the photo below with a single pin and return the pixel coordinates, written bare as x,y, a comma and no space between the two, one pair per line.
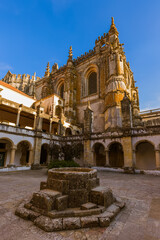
34,124
30,157
37,150
12,157
134,158
93,157
88,156
18,117
50,126
107,157
127,149
157,155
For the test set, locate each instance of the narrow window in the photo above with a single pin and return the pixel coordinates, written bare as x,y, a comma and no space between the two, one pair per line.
61,90
92,83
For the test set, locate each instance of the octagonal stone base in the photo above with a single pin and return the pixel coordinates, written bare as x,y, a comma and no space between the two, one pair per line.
71,199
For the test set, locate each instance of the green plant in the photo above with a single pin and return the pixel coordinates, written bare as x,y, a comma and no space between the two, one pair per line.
62,163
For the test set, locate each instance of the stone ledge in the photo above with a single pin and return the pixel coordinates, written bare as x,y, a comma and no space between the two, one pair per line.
26,214
71,223
49,224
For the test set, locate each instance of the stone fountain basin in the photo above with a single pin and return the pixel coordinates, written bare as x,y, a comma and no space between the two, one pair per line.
68,173
71,198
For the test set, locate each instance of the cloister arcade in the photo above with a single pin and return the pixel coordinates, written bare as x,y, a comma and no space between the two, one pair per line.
19,150
145,154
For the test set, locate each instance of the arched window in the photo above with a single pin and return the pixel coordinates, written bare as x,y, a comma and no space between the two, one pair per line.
92,83
61,90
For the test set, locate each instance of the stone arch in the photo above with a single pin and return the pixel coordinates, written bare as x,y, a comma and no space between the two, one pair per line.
99,154
90,84
68,132
116,155
145,155
142,140
6,144
7,139
44,154
22,154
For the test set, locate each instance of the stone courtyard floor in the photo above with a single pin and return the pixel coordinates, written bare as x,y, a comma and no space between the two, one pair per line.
140,220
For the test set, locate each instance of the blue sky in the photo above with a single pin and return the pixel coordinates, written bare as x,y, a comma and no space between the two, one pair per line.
34,32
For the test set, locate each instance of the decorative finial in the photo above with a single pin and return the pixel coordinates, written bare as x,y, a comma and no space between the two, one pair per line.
34,77
113,29
70,52
47,73
112,20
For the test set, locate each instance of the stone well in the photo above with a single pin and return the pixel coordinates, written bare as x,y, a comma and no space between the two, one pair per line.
71,198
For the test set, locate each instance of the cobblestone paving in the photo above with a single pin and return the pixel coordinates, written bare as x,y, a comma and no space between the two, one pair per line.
140,220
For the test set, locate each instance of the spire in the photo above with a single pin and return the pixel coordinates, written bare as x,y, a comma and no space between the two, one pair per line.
70,53
70,59
113,29
47,72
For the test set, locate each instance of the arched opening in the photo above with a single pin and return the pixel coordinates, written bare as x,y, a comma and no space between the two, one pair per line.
22,153
145,156
44,154
5,152
58,111
100,155
92,83
68,132
116,156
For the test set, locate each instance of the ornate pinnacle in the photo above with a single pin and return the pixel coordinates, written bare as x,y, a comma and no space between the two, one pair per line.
113,29
113,21
47,72
70,52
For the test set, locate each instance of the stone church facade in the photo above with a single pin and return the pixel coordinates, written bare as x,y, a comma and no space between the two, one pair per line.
93,100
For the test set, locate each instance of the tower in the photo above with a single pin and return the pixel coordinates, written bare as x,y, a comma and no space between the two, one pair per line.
115,84
70,90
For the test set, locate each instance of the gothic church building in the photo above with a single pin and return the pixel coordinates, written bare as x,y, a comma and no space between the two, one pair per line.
92,100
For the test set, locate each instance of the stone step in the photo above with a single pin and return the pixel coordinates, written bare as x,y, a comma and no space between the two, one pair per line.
45,199
26,214
88,206
102,196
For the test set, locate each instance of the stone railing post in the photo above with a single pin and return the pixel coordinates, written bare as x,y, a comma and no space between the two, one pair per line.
50,126
18,116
